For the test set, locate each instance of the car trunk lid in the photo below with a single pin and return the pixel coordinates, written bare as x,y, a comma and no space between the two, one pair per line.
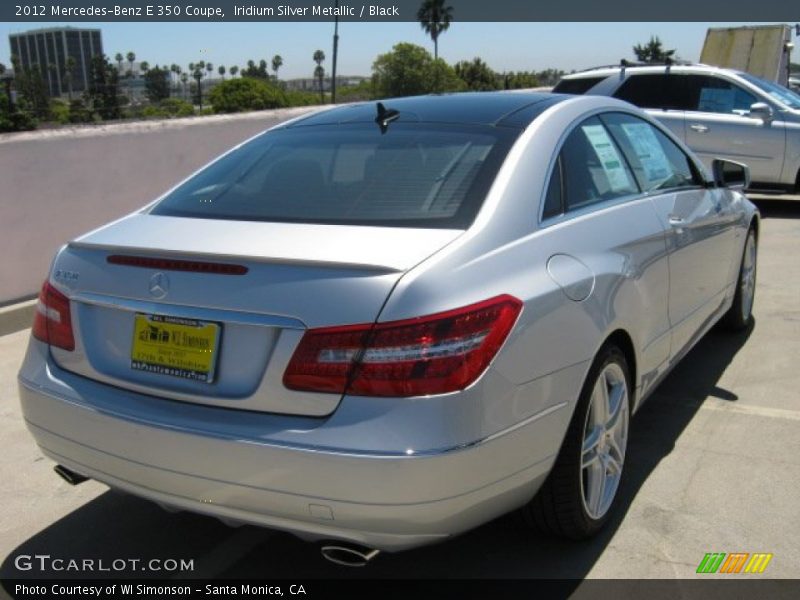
258,288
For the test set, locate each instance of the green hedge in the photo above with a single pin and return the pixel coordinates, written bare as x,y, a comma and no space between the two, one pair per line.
246,93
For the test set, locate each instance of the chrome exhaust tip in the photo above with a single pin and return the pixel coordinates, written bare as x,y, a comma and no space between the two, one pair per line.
71,477
349,556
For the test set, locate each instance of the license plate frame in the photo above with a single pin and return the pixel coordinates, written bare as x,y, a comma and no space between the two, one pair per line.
175,346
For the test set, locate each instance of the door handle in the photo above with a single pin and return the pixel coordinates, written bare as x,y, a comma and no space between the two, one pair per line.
698,128
676,221
677,224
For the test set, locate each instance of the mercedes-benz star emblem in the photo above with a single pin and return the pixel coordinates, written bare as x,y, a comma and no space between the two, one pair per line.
159,285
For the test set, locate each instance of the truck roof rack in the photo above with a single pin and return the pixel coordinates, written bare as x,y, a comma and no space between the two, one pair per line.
623,63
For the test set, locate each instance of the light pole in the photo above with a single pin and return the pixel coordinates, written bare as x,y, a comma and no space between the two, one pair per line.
335,50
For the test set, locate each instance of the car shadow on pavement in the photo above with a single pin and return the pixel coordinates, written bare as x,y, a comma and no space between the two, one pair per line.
116,526
778,209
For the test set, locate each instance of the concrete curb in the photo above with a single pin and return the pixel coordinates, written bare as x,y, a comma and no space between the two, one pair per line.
16,317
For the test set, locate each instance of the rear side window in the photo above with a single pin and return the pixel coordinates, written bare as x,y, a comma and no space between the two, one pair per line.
416,175
554,198
576,86
590,169
656,90
657,162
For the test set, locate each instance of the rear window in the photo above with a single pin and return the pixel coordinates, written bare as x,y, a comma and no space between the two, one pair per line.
414,175
576,86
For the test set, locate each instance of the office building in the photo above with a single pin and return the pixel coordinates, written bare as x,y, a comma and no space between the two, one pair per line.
50,48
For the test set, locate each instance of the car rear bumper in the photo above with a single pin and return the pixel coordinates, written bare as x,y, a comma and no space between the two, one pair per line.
207,460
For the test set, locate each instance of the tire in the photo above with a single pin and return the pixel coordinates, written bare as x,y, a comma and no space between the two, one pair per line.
580,492
740,314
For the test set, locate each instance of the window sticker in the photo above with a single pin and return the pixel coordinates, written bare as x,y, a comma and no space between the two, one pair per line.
718,100
609,157
649,151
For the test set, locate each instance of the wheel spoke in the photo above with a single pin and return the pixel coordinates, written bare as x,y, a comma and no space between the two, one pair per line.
589,452
613,465
597,486
617,400
600,401
615,451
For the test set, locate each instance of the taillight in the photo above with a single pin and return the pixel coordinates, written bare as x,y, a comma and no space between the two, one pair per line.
435,354
52,322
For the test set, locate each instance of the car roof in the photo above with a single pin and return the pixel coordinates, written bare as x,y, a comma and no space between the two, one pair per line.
506,109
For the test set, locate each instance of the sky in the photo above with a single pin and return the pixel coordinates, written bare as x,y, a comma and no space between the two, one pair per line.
504,46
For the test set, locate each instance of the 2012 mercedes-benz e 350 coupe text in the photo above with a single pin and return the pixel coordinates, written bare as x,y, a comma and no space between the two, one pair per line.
388,323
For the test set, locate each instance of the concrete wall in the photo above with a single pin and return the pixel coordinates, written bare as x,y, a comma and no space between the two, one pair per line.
55,185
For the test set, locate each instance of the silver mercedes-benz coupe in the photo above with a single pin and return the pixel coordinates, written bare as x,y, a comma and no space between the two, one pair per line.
385,324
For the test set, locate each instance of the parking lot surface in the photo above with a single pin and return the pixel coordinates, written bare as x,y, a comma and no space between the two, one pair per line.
713,466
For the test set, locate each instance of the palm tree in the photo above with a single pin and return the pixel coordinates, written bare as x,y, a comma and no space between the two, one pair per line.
69,66
277,63
131,57
319,71
435,17
184,81
176,70
234,70
119,58
209,68
144,66
198,77
221,71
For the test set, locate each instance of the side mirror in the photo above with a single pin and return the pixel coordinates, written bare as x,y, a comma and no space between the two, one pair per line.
761,110
729,174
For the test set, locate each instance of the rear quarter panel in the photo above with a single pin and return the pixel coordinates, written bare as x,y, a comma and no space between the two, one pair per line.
507,251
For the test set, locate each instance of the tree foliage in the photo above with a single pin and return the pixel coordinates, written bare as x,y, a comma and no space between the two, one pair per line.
103,92
156,84
519,80
245,93
33,97
477,75
16,120
356,93
653,51
409,70
257,72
